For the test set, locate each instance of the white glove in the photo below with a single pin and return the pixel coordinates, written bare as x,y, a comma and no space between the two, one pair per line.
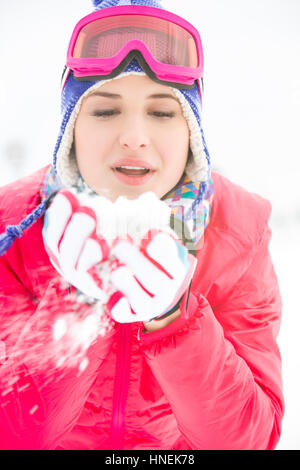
72,244
149,279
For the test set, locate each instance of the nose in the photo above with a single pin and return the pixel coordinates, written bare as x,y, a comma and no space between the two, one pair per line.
134,135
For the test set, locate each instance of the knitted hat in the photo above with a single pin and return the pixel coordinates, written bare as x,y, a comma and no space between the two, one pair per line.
64,168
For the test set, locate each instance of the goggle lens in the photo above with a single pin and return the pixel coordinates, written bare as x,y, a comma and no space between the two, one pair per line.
168,43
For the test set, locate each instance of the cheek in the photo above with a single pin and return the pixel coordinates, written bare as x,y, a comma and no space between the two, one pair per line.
89,144
176,147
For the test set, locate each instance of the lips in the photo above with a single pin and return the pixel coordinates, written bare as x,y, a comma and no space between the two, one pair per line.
133,172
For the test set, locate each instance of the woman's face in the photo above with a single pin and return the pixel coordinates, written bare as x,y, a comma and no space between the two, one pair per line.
131,137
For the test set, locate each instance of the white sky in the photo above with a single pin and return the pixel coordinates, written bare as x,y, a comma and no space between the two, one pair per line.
251,116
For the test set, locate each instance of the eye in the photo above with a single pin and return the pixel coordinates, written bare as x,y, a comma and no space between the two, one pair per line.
105,113
162,114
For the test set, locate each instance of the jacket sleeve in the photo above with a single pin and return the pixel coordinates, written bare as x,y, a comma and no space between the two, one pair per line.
40,398
221,369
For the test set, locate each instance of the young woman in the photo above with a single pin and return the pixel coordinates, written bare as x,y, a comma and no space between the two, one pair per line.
168,342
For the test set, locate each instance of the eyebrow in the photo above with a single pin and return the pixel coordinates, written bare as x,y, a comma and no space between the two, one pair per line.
163,95
117,96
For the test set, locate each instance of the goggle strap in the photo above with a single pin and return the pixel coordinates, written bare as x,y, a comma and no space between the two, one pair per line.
64,76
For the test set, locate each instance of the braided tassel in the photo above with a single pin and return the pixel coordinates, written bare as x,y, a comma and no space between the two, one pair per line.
16,231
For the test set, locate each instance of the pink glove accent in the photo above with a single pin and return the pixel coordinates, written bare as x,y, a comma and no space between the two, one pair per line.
73,246
150,279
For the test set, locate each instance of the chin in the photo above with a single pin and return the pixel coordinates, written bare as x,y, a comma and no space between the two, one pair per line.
134,192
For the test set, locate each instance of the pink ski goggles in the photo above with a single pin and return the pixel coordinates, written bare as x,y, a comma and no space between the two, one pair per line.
104,43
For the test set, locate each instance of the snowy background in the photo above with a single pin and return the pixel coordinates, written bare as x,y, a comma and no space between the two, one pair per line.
251,119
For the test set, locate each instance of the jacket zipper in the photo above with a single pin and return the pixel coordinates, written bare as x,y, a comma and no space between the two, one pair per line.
121,386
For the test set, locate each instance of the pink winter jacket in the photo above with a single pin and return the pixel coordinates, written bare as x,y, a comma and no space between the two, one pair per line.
209,380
